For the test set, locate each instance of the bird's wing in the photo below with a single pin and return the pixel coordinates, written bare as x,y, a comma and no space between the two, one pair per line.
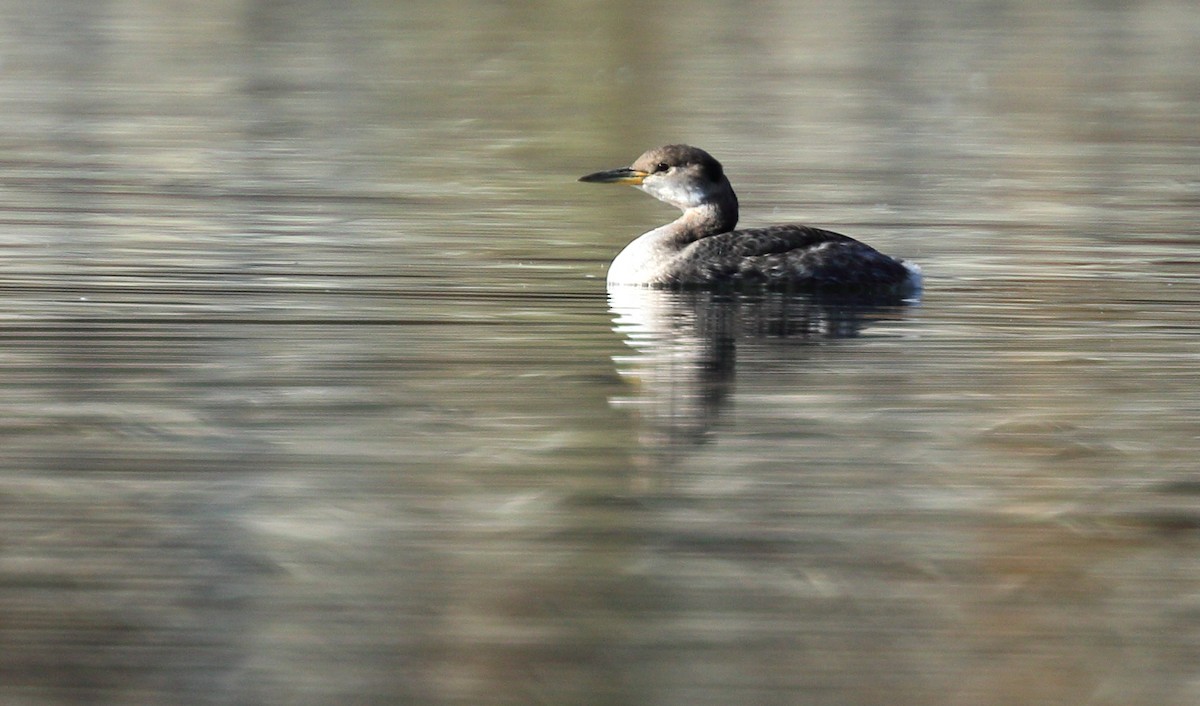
790,255
775,240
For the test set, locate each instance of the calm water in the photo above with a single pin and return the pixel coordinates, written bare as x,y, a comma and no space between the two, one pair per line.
311,393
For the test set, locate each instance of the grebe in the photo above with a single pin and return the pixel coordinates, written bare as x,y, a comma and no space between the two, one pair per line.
701,249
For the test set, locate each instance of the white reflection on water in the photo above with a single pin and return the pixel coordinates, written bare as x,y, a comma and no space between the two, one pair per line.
686,346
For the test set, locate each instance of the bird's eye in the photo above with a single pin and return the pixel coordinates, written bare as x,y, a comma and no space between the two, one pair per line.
661,167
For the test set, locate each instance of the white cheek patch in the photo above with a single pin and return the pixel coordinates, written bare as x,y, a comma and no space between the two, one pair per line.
696,196
679,195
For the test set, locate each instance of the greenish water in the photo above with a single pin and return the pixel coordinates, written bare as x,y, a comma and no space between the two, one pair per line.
311,392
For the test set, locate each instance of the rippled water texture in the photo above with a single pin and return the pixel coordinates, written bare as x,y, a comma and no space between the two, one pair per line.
311,391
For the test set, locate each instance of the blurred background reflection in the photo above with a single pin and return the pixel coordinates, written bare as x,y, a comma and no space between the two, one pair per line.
311,393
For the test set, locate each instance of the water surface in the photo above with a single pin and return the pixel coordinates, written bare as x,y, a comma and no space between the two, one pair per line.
312,392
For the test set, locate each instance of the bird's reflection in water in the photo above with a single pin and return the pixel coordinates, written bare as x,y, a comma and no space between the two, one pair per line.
685,345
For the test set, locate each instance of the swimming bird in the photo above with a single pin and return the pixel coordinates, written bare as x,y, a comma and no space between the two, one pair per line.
701,249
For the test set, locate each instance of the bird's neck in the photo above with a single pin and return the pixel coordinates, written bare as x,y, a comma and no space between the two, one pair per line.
649,257
714,216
